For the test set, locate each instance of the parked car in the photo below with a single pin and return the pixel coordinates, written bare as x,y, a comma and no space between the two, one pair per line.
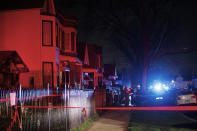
154,99
185,98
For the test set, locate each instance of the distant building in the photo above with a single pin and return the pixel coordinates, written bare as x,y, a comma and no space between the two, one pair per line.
45,40
194,83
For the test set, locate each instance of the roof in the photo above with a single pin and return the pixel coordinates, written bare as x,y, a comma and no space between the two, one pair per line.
11,62
81,50
66,19
93,59
93,51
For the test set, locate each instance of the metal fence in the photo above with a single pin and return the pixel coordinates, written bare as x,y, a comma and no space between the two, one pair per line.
35,112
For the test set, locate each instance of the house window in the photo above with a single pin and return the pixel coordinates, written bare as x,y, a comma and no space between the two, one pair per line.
57,35
67,41
73,41
58,77
47,33
60,37
62,43
47,74
67,77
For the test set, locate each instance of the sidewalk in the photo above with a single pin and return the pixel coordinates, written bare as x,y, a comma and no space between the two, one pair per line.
113,120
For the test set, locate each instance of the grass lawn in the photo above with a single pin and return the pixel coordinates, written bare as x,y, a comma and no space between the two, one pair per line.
146,127
160,121
87,123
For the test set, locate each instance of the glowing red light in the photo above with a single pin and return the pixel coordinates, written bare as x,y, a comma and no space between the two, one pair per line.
165,108
193,96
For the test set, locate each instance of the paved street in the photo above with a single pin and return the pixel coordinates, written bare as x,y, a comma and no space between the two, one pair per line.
162,119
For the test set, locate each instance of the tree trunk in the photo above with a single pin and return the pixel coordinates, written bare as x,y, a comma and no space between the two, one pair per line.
144,77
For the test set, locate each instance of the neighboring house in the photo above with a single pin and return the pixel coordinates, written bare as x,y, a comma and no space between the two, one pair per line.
112,89
91,57
45,40
11,66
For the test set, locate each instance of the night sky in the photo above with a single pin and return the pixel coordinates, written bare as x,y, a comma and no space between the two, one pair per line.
96,26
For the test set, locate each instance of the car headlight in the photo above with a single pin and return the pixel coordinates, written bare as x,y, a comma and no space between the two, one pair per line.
159,98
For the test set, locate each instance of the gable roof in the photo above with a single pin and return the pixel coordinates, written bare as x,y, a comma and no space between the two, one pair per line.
65,19
81,50
86,59
93,51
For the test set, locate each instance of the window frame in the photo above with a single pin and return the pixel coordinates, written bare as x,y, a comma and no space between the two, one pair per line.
43,44
67,41
63,42
57,34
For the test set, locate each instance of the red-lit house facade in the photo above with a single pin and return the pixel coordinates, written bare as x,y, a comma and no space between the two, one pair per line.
92,69
46,42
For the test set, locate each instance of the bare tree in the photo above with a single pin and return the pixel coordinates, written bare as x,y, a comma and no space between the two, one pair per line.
138,28
141,29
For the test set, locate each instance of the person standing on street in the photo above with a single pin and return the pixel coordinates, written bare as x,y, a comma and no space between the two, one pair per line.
126,96
121,95
131,95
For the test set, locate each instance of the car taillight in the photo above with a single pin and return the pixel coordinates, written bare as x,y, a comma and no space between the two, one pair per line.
179,98
193,96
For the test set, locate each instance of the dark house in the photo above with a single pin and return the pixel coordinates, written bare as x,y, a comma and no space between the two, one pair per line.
91,57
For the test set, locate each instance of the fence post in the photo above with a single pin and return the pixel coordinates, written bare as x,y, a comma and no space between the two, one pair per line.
48,88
